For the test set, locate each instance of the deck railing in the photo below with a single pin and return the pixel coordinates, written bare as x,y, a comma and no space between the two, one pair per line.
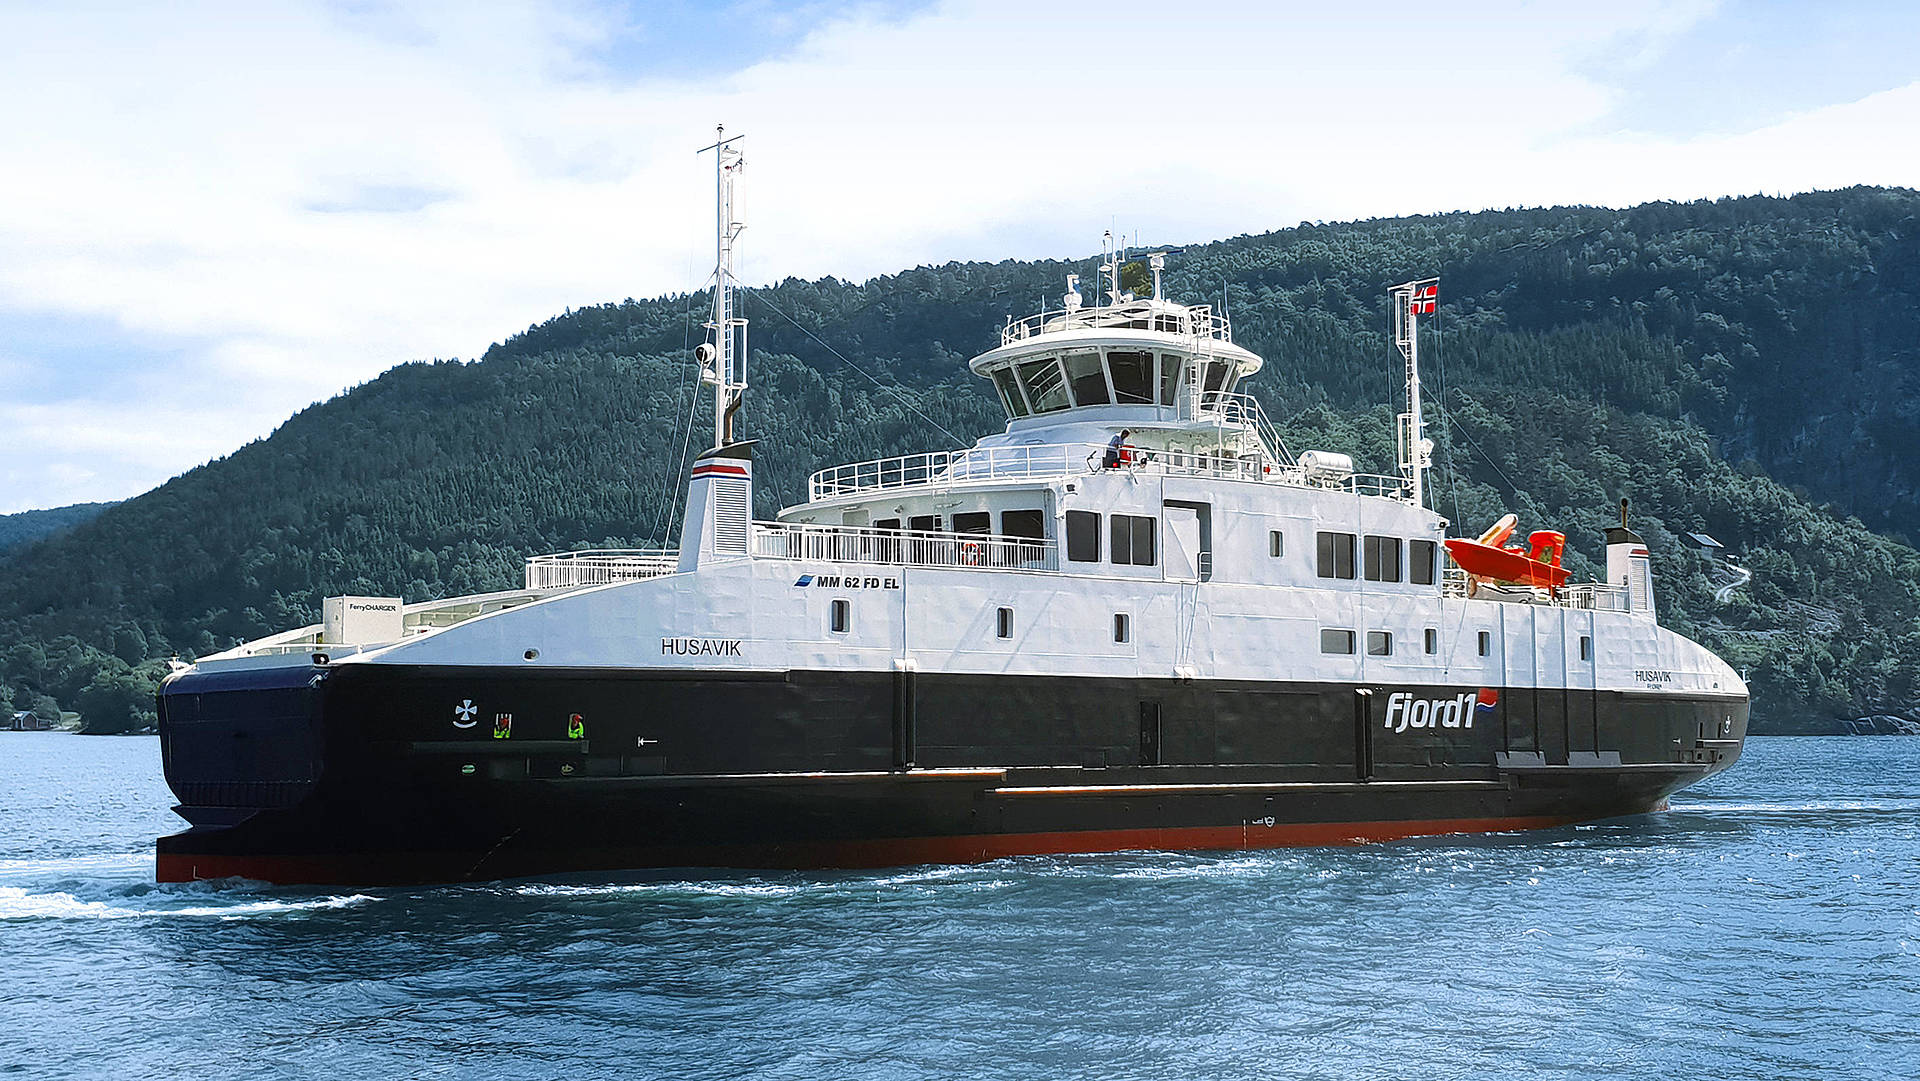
598,567
904,547
1139,315
1586,596
942,469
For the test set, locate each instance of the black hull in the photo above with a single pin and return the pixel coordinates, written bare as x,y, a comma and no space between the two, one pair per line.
360,776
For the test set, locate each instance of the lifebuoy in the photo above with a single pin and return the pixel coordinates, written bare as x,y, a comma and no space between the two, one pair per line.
973,553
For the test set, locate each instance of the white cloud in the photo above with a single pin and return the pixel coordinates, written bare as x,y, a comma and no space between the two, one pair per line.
286,200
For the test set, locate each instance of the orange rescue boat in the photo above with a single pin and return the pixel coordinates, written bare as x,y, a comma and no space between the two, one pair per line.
1488,559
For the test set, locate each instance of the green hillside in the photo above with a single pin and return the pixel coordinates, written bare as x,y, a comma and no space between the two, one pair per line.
1745,368
31,525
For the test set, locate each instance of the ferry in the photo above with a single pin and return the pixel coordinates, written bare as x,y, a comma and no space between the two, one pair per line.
1130,620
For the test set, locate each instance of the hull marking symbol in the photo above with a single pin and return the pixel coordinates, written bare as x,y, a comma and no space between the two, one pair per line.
463,714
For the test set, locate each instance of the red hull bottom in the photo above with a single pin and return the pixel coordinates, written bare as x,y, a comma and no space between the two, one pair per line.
412,868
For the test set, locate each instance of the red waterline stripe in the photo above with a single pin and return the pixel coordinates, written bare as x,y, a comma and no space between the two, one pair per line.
393,868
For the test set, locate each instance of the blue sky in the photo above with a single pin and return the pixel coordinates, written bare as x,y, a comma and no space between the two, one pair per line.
214,214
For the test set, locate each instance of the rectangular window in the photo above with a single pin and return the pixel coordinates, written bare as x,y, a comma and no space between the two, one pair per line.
1089,381
979,521
1046,384
1586,648
1332,641
1276,543
1379,643
1486,643
1121,630
1335,554
841,617
1169,378
925,523
1132,377
890,524
1027,524
1006,623
1432,641
1143,533
1083,536
1420,562
1130,540
1009,393
1382,558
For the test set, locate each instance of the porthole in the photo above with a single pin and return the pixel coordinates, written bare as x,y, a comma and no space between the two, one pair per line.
532,654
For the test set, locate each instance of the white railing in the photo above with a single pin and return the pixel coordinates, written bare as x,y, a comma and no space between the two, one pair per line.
1587,596
942,469
1595,597
1139,315
907,547
570,570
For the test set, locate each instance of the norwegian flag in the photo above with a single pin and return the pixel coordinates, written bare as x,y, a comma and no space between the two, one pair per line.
1424,299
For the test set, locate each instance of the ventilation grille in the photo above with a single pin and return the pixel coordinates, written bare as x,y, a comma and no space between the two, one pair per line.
731,515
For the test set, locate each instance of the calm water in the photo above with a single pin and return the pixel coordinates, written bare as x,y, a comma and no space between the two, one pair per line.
1767,927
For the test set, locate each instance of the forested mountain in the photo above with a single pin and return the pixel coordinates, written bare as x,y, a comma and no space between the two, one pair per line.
31,525
1744,367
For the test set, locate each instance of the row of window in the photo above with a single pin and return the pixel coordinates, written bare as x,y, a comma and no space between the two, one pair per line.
1129,377
1380,557
1122,625
1332,639
840,621
1025,524
1380,643
1130,538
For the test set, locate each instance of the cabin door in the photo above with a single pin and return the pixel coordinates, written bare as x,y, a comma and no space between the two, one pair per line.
1182,544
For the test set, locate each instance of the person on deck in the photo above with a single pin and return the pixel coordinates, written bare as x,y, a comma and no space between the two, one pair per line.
1118,453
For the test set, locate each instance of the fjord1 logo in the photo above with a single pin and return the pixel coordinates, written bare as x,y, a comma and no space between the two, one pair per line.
1404,711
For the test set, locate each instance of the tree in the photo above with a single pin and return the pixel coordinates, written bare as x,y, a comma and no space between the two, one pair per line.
48,710
118,700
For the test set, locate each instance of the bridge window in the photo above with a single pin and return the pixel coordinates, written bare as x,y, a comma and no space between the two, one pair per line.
1088,378
1132,539
1027,524
1334,641
1216,375
1046,385
1382,559
1083,536
1132,377
1009,392
1335,554
840,617
1169,378
1379,643
973,522
1420,565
